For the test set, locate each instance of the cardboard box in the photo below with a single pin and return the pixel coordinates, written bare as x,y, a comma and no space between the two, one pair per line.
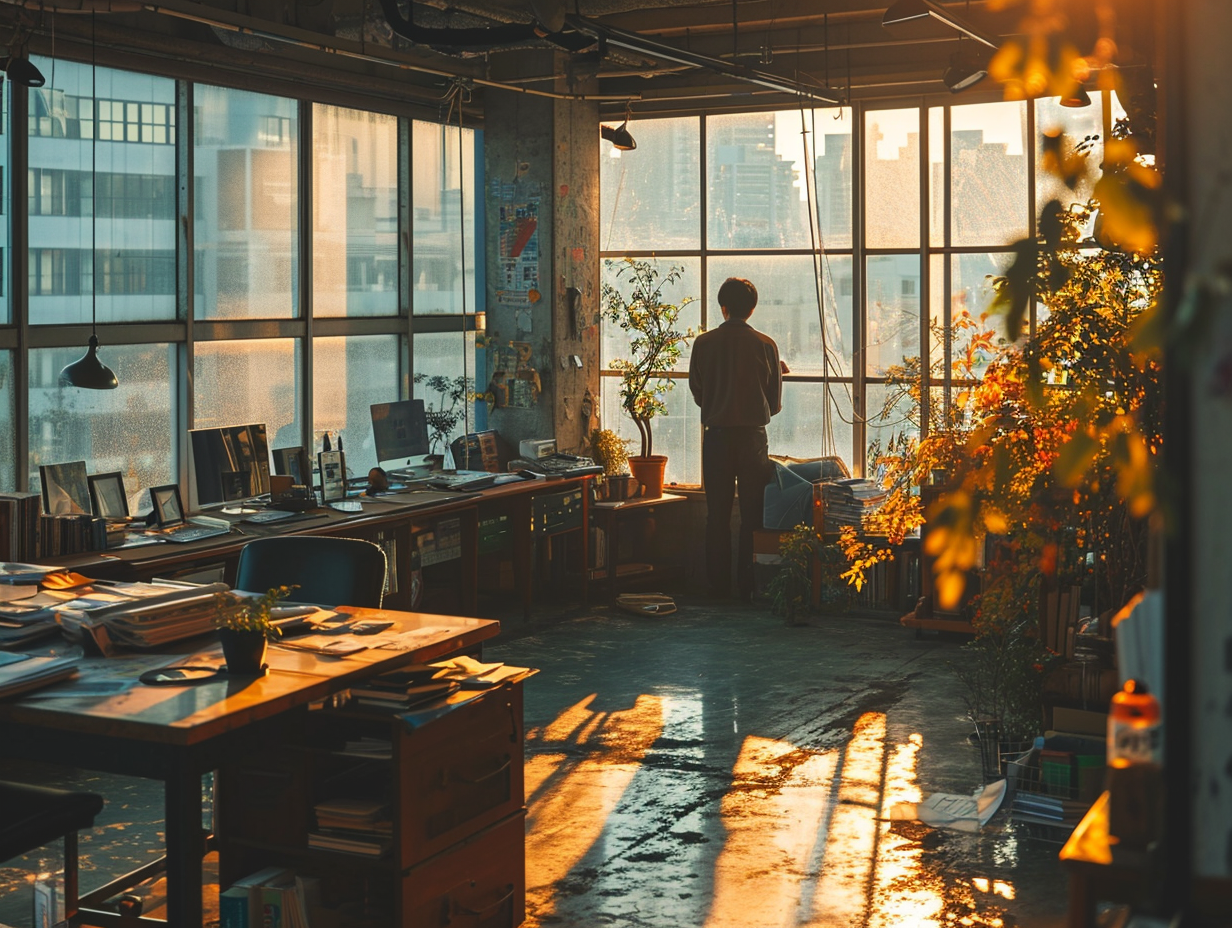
1080,722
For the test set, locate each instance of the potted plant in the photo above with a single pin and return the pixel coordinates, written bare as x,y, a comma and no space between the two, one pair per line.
444,414
636,304
610,452
244,628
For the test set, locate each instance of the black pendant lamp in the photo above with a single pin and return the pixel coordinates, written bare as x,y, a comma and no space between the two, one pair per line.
88,372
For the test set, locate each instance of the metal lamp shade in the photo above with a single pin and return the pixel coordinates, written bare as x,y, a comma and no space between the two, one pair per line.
619,136
88,372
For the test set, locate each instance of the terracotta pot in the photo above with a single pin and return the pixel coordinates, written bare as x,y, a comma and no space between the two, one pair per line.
617,487
243,651
648,471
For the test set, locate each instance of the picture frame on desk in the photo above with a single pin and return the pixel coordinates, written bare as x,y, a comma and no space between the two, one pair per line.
107,497
168,507
293,462
332,465
65,488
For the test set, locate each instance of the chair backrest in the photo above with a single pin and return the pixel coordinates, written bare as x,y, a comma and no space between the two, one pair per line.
328,571
34,816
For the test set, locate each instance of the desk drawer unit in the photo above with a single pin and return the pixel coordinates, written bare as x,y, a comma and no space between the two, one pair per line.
458,777
480,883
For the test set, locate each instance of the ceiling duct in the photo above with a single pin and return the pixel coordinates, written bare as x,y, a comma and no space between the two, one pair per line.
482,38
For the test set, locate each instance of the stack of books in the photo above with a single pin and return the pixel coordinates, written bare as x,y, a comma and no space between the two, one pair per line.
400,689
73,533
849,501
144,615
269,898
1043,809
19,519
353,826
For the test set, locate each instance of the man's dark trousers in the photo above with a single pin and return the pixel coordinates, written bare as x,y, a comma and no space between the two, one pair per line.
730,456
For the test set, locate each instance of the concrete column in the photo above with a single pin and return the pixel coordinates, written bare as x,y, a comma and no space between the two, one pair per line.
540,160
1207,154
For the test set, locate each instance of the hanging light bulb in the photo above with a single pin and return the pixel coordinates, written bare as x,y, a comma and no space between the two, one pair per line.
88,372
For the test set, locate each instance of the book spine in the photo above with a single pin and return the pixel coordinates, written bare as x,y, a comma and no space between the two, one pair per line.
233,910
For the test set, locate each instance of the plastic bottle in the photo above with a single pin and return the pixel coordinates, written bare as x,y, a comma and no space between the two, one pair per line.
1133,726
1135,778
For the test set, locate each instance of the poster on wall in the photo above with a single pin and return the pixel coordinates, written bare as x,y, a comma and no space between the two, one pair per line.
519,253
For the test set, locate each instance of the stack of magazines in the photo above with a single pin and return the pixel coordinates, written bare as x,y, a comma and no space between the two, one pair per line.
353,826
22,672
143,615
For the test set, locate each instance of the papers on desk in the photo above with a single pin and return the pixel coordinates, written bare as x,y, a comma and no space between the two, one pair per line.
475,675
11,572
142,615
27,673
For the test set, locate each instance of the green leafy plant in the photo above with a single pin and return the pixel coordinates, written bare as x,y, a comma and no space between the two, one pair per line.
447,410
244,614
655,341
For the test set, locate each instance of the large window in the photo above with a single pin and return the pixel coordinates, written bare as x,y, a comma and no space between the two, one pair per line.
859,273
303,332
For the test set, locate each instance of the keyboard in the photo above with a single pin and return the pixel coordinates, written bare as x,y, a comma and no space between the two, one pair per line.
269,515
558,465
188,533
462,480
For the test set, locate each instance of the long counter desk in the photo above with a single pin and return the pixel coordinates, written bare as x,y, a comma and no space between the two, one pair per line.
176,734
417,529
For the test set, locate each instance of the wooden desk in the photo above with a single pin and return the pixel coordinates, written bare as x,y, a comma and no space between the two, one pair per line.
1099,871
178,733
608,517
394,522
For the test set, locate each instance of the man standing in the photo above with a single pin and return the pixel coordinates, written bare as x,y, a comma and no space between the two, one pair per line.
737,379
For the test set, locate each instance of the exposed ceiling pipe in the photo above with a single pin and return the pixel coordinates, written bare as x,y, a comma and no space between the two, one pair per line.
79,6
647,46
482,38
357,55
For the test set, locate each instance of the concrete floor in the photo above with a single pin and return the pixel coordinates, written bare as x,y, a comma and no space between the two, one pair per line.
712,768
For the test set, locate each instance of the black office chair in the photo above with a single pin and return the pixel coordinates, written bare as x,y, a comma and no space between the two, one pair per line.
328,571
34,816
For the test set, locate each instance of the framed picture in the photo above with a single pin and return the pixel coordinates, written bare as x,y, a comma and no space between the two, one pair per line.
332,465
107,496
65,489
293,462
168,508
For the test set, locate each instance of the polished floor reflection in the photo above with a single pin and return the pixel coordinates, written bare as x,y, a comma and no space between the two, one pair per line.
716,768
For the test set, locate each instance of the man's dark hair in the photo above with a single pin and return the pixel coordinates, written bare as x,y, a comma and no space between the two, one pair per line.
738,296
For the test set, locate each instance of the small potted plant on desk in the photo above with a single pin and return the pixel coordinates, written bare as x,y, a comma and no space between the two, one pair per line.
655,345
244,628
453,393
610,452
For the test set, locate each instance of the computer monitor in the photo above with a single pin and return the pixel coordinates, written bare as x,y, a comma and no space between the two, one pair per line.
399,431
230,463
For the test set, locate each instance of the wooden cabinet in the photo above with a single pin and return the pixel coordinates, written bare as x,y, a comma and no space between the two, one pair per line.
454,790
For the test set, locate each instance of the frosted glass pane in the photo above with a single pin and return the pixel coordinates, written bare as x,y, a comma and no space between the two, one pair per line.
787,307
814,421
250,380
651,197
892,178
355,207
830,134
891,413
443,179
102,209
893,311
756,193
447,355
8,430
616,340
971,292
1082,125
131,429
349,374
988,158
247,204
936,176
677,433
